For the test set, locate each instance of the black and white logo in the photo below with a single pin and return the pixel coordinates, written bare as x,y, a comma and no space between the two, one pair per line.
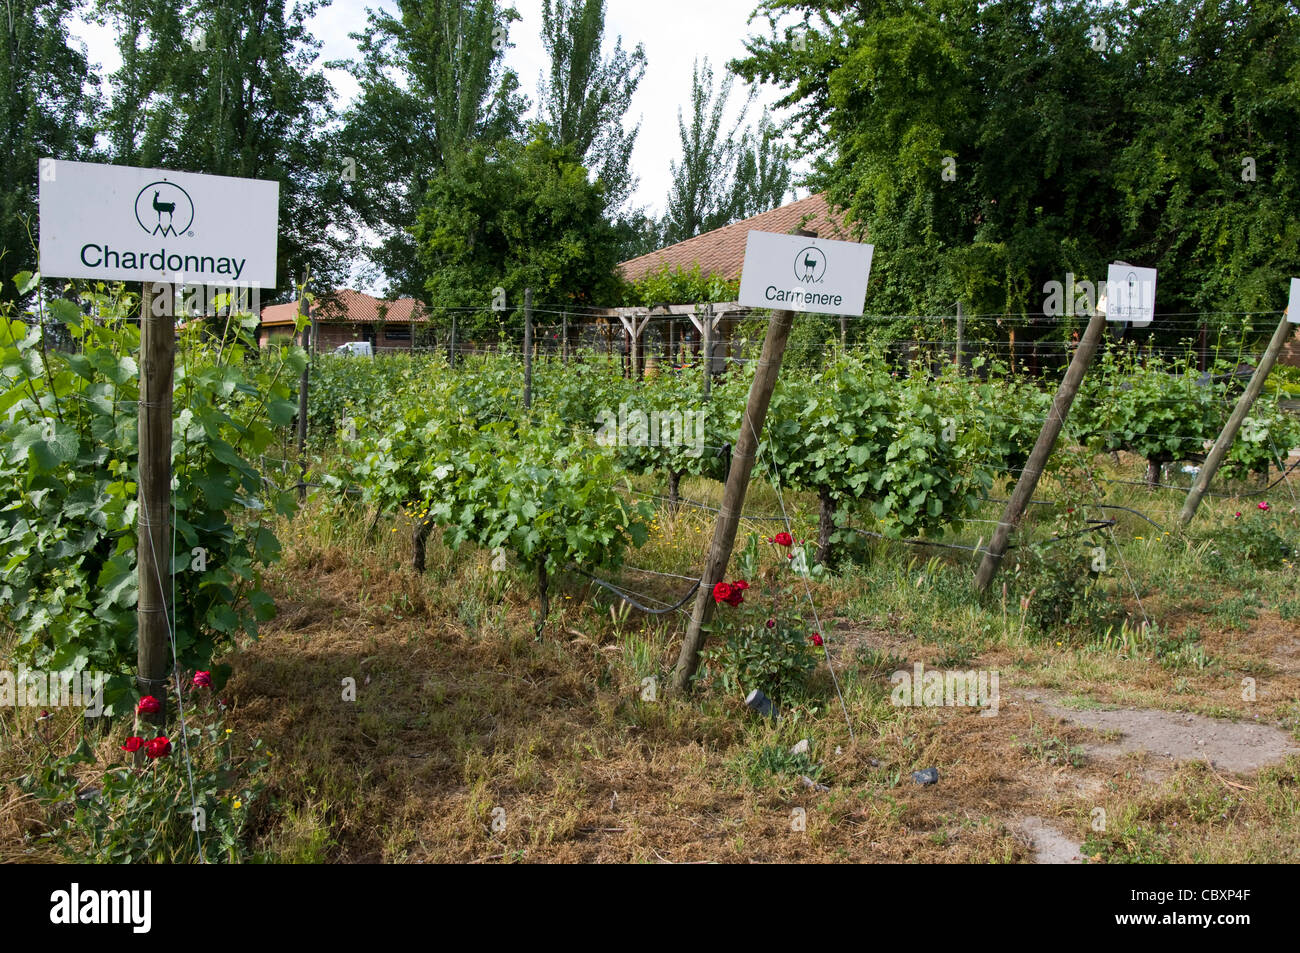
810,266
164,208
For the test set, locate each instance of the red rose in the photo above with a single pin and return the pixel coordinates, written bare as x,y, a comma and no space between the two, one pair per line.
160,747
771,623
740,584
722,593
783,539
1238,516
133,744
816,639
1264,506
148,706
202,679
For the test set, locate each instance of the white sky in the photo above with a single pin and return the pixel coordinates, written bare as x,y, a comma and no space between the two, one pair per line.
675,33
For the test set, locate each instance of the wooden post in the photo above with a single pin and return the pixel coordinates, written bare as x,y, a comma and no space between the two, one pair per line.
564,338
1229,434
153,520
451,344
634,349
528,348
708,349
844,331
309,344
733,497
961,331
633,328
1024,490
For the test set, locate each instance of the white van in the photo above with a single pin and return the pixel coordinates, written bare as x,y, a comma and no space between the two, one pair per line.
358,348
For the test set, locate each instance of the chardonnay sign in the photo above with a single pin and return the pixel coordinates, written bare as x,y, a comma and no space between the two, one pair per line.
119,223
797,273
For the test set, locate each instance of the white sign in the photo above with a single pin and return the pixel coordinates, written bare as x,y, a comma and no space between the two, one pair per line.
1293,307
119,223
804,274
1130,294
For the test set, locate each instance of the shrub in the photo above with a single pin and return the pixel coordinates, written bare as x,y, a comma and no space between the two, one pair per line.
765,643
1250,538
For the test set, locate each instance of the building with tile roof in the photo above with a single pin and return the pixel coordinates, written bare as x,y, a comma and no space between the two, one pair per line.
346,315
721,252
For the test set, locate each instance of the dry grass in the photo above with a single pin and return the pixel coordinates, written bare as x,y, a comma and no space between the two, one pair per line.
471,741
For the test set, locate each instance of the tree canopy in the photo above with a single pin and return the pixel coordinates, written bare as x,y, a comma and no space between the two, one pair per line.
512,216
432,86
988,148
47,102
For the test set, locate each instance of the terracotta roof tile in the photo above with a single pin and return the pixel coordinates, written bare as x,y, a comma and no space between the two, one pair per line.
722,251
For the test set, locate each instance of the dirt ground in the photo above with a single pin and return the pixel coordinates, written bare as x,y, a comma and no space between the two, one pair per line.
489,747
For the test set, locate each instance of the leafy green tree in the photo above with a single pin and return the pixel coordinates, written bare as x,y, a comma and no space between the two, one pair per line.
433,84
724,175
227,88
637,233
47,99
701,197
763,171
1205,178
988,148
513,216
584,97
145,29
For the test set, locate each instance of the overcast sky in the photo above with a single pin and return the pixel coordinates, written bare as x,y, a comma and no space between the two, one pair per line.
675,33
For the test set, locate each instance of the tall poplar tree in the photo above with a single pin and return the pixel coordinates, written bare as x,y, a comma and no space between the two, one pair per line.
432,84
584,96
47,98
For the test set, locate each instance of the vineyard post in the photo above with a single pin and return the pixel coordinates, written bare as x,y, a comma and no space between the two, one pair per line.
153,520
1024,490
961,328
733,496
564,338
528,348
1229,434
309,344
708,349
634,349
451,344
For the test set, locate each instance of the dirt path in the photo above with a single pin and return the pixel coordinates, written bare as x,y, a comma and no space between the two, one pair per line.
1050,845
1240,747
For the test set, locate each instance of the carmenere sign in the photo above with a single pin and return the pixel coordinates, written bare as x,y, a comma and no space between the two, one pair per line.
119,223
804,274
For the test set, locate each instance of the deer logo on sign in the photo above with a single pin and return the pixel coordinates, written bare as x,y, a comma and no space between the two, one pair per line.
810,265
164,208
